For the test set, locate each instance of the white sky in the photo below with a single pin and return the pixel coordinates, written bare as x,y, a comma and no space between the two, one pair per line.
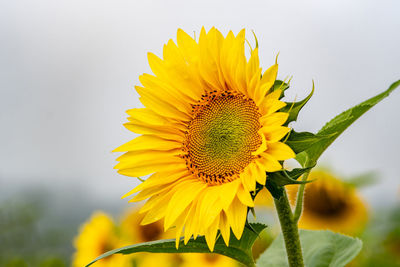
67,71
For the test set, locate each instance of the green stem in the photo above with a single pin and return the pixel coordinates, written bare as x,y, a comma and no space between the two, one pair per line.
290,231
299,200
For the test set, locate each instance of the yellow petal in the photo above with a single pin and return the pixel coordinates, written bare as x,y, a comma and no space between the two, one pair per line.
237,214
280,151
210,206
190,218
169,94
274,134
133,158
253,66
211,233
244,197
224,227
184,195
277,118
192,222
149,192
165,132
188,46
208,64
261,176
254,84
147,115
151,166
156,103
267,81
158,211
180,222
158,179
179,80
148,142
271,103
247,179
269,163
228,192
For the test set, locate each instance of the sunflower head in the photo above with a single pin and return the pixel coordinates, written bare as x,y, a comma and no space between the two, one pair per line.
209,131
331,204
97,236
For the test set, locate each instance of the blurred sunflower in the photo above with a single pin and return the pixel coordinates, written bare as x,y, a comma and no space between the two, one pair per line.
329,203
209,131
159,260
264,199
97,236
133,232
206,260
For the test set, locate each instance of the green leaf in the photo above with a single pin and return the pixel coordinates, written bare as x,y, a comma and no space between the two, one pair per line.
303,140
275,190
282,178
278,84
239,250
320,249
276,180
293,108
337,125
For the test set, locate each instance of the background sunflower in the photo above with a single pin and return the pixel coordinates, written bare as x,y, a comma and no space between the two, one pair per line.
330,203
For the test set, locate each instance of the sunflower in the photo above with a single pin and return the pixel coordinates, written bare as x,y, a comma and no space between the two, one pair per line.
329,203
264,199
96,237
133,232
206,260
210,130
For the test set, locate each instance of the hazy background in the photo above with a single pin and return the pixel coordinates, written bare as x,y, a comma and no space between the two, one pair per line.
68,68
67,75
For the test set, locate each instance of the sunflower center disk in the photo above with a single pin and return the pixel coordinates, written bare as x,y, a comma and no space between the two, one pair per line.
325,201
221,138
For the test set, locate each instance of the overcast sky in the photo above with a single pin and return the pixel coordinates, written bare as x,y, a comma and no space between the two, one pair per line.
68,68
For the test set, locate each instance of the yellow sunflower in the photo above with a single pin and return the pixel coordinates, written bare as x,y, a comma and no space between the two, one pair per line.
133,232
96,237
206,260
264,199
331,204
209,131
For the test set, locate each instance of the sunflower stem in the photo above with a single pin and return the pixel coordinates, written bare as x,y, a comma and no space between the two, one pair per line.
290,231
299,201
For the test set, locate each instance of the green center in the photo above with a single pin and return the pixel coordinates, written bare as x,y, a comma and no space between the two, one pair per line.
222,137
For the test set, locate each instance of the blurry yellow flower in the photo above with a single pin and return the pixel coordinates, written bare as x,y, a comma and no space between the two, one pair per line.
158,260
206,260
209,132
97,236
331,204
133,232
264,199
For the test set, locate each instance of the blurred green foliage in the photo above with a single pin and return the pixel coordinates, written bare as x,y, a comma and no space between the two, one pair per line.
26,239
381,240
